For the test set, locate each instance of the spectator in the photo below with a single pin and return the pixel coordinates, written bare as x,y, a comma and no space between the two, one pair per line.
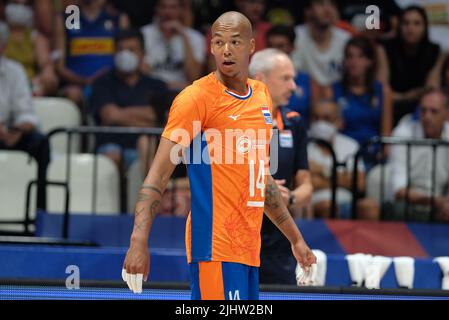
174,53
354,11
254,10
444,77
18,123
431,125
325,122
282,37
30,48
43,14
87,53
140,12
413,61
123,97
319,44
289,166
364,101
44,17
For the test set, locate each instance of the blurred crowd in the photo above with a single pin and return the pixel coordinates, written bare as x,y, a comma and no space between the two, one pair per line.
128,60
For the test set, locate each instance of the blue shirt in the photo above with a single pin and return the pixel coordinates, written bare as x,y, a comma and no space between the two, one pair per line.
362,114
91,48
300,99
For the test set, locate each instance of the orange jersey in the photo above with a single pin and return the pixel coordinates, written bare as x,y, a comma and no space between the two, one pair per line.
227,140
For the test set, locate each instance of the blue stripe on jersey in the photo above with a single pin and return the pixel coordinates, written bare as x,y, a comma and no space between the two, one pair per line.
235,280
200,177
195,281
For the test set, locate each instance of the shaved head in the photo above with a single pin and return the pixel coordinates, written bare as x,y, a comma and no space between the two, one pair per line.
233,20
232,44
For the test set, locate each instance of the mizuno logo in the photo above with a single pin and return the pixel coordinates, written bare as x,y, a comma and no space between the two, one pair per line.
234,117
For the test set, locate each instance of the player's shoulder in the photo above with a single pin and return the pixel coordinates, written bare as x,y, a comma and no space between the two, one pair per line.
203,89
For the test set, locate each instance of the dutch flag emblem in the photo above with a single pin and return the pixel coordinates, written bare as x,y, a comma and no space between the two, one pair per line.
267,115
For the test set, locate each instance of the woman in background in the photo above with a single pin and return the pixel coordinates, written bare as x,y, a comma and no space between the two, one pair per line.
413,61
364,102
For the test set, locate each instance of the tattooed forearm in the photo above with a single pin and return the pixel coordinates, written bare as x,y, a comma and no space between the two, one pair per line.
281,219
140,222
153,188
272,196
142,197
153,209
144,210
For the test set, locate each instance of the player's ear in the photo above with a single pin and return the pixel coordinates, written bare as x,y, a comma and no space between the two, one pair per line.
211,48
252,46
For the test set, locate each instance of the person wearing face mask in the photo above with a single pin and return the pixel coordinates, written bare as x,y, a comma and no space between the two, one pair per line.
123,97
325,123
18,122
29,47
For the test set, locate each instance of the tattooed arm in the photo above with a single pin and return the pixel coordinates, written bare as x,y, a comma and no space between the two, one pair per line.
276,210
137,259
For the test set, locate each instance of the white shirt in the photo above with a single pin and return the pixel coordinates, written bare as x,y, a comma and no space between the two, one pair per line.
421,160
345,149
166,59
16,102
325,67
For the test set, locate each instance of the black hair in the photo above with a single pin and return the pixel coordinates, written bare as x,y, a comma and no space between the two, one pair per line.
423,15
368,50
130,34
282,30
443,80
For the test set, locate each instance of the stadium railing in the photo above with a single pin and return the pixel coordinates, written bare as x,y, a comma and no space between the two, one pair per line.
395,141
93,131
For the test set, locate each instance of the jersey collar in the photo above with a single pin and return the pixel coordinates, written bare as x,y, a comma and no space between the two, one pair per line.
244,97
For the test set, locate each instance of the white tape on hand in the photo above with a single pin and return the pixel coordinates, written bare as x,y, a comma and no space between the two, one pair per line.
139,279
128,281
133,283
306,276
313,274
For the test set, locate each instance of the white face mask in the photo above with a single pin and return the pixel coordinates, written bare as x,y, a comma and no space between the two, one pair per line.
126,61
323,130
19,14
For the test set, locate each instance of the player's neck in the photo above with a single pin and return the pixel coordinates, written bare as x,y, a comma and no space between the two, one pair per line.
236,84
